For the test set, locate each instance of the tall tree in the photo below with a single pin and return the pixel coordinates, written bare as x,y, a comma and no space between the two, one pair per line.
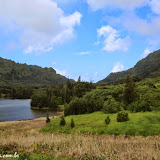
79,79
129,90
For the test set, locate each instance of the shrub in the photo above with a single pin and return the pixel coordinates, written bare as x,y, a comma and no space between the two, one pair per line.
47,118
111,105
82,106
72,123
139,106
122,117
107,120
62,121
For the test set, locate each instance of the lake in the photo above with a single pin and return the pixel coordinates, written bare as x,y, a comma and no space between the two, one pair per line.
14,110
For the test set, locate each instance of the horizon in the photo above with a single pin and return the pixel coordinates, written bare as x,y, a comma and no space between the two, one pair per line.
89,38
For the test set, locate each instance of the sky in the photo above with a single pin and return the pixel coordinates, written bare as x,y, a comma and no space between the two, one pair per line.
87,38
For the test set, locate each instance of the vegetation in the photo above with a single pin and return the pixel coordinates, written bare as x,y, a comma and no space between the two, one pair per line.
15,73
146,68
129,90
139,124
72,123
60,94
30,144
47,118
62,121
107,120
122,117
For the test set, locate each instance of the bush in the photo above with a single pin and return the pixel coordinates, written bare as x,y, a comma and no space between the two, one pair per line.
62,121
111,105
82,106
107,120
139,106
122,117
47,118
72,123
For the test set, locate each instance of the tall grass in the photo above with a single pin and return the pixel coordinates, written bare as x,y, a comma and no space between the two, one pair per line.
82,146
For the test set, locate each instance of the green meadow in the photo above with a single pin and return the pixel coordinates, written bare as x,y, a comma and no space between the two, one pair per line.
139,124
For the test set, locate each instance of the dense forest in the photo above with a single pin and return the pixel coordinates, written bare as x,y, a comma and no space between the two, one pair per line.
60,94
84,97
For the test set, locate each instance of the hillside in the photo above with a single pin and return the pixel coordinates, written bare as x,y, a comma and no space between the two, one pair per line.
15,73
147,67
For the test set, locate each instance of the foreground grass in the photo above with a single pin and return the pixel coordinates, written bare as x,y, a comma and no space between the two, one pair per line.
24,138
80,146
140,124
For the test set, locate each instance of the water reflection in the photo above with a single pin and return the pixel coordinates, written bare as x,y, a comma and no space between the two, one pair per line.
13,110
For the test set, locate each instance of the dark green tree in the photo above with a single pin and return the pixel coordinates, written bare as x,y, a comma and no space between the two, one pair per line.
129,90
107,120
47,118
122,117
79,79
62,121
72,123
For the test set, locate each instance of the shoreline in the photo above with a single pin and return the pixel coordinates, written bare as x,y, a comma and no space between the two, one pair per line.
46,108
4,123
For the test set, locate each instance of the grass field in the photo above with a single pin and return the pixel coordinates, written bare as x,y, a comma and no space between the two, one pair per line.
140,124
24,138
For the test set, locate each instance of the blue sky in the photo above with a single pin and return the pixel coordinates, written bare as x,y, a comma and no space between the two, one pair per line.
91,38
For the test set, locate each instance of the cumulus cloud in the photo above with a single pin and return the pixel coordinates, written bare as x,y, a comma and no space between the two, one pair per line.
112,41
117,67
124,4
42,22
146,52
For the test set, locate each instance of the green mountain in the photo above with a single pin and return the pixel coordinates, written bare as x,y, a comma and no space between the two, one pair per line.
15,73
147,67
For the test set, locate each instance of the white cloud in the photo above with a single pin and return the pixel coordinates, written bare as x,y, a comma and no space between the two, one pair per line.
142,26
117,67
146,52
61,71
124,4
155,6
83,53
112,41
42,22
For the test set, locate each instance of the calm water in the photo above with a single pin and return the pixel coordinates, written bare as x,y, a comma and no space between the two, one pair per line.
13,110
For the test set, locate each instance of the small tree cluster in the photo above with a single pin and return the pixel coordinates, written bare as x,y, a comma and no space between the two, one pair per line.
63,122
122,117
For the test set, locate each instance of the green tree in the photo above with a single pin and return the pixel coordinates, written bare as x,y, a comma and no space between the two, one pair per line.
107,120
62,121
111,105
129,90
47,118
122,117
72,123
79,79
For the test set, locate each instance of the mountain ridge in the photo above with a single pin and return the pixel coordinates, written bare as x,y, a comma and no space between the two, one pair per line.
18,73
146,67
